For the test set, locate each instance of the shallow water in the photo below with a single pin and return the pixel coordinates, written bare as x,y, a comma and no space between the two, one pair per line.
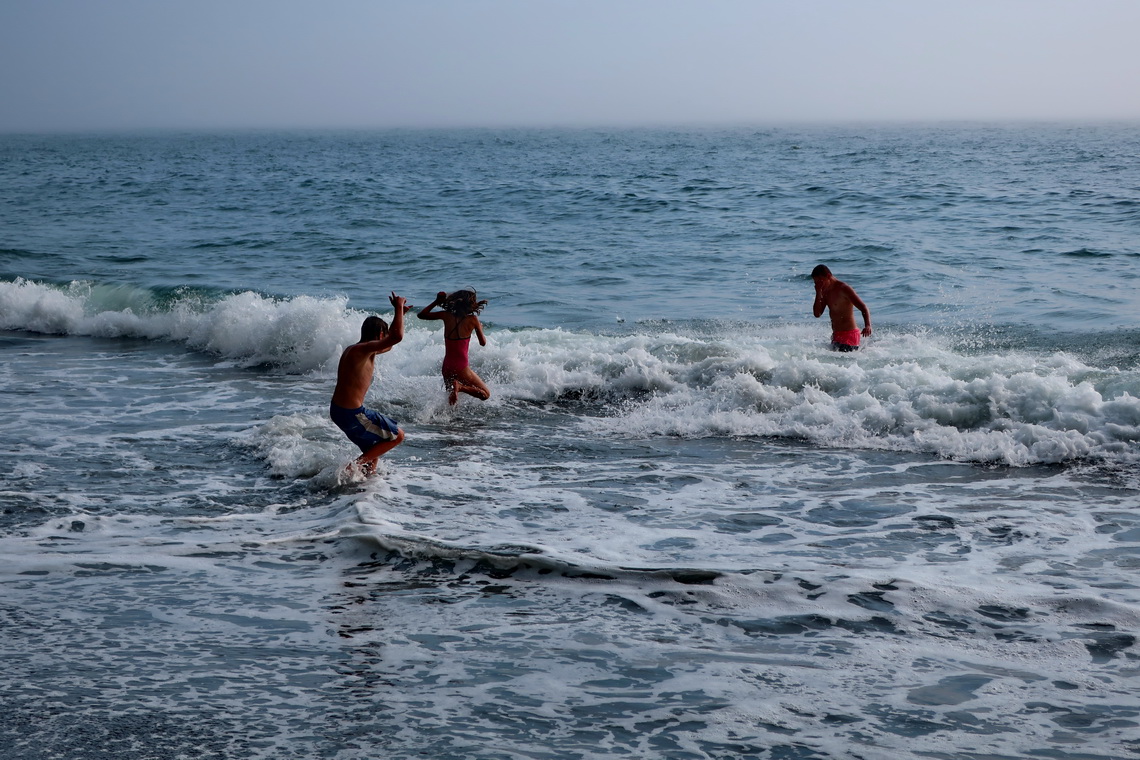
681,527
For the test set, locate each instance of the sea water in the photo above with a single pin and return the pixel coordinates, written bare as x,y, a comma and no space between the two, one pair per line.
682,527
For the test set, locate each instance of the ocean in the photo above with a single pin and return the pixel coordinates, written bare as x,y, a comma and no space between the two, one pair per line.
681,528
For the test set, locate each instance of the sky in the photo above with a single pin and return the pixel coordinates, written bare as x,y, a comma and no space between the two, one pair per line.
97,65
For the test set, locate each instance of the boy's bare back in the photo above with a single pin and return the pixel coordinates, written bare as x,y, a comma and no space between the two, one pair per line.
354,373
358,362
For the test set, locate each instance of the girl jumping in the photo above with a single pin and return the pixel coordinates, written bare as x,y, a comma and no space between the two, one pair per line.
460,318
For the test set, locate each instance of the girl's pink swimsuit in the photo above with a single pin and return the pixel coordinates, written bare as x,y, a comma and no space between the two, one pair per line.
455,355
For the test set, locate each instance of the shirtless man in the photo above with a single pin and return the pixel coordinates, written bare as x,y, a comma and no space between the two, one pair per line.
840,301
373,432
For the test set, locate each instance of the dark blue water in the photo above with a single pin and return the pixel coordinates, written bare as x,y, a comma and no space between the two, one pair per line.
681,528
1031,226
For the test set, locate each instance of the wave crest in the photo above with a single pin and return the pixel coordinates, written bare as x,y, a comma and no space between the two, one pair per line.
912,392
298,334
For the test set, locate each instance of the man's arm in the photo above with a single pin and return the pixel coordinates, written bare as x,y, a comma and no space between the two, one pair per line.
820,304
857,302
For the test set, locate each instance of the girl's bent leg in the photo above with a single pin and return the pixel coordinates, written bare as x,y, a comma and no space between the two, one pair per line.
471,384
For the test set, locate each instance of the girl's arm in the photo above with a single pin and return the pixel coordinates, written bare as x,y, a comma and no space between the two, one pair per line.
428,311
479,331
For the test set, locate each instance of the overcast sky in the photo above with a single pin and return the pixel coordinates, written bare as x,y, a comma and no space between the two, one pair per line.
68,65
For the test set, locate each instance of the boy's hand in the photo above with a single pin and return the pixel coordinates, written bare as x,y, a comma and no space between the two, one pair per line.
441,296
399,302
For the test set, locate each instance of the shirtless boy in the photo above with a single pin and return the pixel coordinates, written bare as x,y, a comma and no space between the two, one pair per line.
840,300
372,431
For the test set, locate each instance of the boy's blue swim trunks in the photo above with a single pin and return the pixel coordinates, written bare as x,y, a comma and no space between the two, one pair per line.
364,427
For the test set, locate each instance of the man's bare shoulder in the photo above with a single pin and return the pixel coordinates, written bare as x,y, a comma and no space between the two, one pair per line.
836,292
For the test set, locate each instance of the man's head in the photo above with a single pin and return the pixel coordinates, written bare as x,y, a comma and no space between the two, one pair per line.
821,272
373,328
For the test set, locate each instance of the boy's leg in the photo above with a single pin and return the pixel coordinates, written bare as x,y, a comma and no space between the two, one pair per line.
367,460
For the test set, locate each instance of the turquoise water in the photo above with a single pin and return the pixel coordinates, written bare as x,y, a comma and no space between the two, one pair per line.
681,528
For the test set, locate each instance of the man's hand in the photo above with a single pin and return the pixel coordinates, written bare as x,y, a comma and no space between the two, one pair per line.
820,302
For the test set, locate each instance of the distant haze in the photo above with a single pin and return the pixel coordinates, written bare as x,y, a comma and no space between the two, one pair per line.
72,65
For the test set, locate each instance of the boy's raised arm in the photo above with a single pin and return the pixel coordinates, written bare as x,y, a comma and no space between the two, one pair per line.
395,333
400,304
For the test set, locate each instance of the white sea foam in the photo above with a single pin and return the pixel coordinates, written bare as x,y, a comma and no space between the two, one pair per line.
1014,408
834,610
904,392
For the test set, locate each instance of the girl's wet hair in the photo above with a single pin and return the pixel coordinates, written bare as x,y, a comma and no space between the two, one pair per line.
463,302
